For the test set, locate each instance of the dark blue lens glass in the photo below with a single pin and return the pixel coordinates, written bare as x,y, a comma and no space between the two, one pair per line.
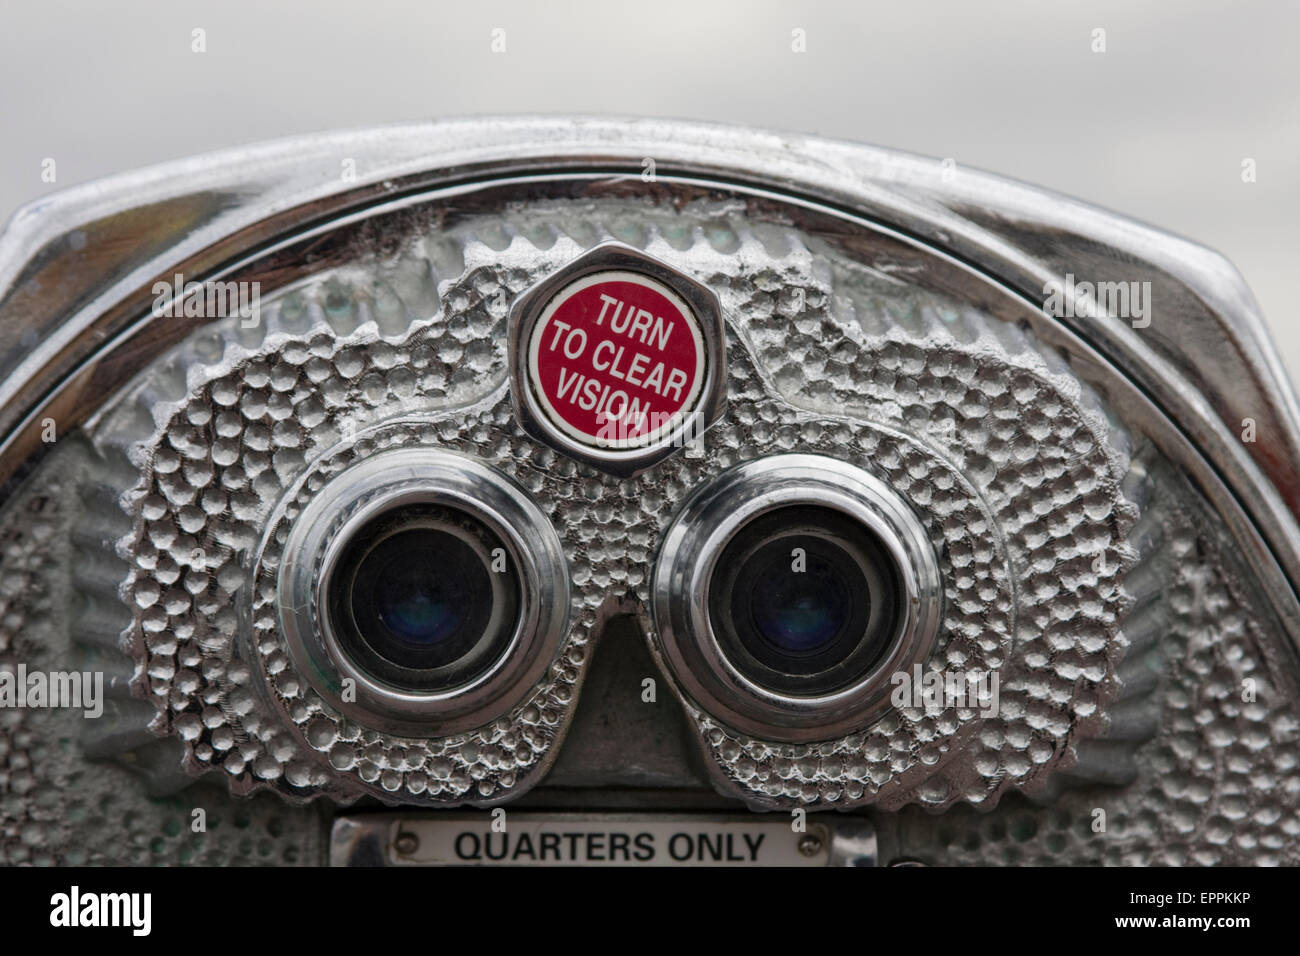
802,600
421,598
419,606
800,612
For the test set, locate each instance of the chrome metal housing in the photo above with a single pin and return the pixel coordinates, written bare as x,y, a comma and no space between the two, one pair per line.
77,272
913,268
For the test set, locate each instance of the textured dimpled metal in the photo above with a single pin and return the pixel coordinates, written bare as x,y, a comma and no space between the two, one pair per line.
1012,472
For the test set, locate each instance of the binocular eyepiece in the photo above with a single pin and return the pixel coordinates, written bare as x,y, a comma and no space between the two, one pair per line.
421,592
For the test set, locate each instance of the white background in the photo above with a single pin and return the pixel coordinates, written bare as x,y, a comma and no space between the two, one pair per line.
1156,127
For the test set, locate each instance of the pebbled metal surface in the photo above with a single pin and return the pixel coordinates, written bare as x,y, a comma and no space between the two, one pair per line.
1014,479
61,803
1047,471
1217,783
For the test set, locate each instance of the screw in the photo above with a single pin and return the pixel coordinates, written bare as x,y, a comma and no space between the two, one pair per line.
406,843
810,845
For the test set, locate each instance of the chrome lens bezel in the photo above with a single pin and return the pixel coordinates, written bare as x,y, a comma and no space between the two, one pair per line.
395,479
689,552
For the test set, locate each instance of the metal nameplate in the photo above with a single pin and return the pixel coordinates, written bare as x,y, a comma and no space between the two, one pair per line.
534,838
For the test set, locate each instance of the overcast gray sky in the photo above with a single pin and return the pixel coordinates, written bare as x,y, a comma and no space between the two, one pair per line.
1157,126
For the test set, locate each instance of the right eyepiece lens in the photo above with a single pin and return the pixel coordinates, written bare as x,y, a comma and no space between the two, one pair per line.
420,589
788,590
422,598
804,600
797,613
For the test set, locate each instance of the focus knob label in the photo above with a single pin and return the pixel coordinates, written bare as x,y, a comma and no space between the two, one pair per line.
616,359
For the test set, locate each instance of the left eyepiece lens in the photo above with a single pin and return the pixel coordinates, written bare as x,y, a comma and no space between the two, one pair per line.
421,592
419,600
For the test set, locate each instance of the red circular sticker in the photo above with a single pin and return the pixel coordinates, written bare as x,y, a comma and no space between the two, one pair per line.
616,359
